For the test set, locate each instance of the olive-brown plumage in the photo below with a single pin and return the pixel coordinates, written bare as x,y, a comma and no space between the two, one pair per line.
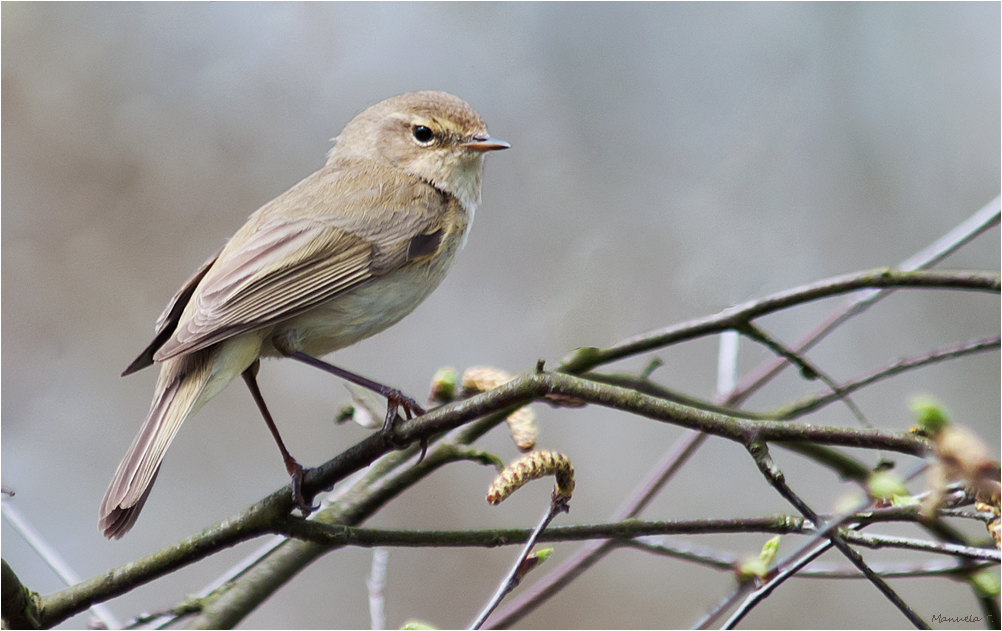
342,255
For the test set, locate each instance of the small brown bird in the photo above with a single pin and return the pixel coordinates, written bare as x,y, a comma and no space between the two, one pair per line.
342,255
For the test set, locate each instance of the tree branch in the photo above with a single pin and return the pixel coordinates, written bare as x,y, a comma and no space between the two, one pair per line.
587,358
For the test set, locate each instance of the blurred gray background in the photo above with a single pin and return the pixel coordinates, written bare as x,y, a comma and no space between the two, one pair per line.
667,161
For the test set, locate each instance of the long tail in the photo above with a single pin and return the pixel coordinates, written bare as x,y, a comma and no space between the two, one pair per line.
179,393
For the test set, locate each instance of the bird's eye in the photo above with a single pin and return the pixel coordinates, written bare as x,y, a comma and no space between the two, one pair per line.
422,134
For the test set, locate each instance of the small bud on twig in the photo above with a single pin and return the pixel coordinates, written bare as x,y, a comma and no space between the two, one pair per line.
443,385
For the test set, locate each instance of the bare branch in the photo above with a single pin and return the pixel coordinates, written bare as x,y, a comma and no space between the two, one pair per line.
732,318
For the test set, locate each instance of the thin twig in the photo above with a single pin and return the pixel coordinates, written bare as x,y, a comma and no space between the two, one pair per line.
338,535
760,593
760,454
725,561
899,366
727,363
376,586
590,553
585,359
807,369
889,541
812,402
558,504
984,219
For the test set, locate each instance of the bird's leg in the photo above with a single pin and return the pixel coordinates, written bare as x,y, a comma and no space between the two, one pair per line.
296,470
394,398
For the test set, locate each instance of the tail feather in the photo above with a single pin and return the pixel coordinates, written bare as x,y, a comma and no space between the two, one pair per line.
179,389
118,521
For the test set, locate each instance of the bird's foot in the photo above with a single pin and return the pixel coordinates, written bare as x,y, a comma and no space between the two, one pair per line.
298,474
398,400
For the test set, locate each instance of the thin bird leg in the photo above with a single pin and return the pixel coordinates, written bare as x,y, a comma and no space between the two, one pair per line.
296,470
394,398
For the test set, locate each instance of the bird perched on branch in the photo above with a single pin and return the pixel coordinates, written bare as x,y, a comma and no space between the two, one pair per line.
340,256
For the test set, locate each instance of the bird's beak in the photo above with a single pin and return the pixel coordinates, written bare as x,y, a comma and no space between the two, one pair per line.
485,143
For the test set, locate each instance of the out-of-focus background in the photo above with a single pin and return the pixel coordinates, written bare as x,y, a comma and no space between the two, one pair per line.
667,161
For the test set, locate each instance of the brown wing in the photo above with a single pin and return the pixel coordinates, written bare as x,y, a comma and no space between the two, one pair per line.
167,322
286,267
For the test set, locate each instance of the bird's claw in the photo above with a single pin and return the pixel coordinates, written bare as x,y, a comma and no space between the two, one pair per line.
398,400
298,474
